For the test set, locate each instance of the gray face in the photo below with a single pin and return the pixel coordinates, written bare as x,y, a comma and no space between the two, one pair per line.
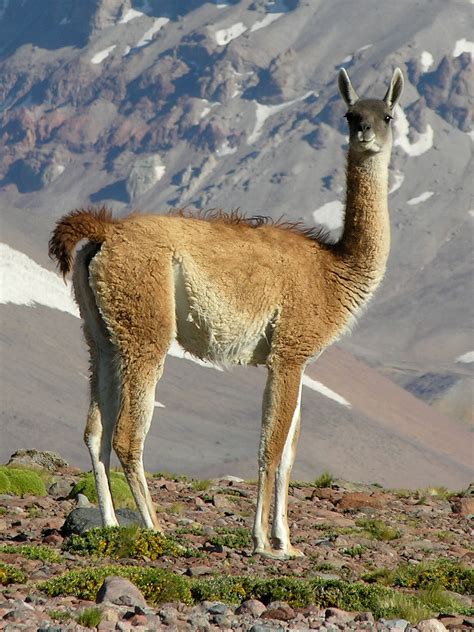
369,126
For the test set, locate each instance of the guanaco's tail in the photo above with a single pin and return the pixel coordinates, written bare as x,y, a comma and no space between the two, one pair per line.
92,224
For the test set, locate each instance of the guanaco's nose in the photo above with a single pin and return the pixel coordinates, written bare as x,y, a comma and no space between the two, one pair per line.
364,126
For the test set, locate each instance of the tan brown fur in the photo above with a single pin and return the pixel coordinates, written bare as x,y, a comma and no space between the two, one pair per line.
232,290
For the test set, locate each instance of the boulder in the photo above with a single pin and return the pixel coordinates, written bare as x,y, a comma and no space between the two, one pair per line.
121,592
38,459
82,519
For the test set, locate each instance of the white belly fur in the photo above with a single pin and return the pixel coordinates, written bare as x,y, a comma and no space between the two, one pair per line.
210,328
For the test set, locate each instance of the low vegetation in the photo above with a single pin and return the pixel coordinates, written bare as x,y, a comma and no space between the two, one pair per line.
160,586
130,542
32,552
89,617
120,490
11,575
378,529
238,538
443,573
21,482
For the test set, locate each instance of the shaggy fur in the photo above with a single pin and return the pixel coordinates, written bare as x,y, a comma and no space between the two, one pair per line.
231,290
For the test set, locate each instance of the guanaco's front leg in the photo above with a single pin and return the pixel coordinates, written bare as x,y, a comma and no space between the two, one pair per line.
280,429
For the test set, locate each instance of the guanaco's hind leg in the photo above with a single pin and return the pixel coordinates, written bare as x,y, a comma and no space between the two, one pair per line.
101,417
136,410
280,428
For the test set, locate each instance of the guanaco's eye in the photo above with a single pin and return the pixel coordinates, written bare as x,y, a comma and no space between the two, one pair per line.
388,118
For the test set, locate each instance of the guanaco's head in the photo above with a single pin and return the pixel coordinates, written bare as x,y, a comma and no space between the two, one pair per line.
369,119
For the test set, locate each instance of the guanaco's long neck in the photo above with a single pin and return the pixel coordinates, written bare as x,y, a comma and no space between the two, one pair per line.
365,241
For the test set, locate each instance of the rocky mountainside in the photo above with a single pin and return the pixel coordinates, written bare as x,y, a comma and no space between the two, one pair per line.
146,104
375,559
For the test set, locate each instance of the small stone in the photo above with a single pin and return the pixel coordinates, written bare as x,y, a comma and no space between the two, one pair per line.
431,625
464,506
220,501
337,616
251,607
279,610
168,615
218,608
82,501
196,571
357,500
120,591
395,624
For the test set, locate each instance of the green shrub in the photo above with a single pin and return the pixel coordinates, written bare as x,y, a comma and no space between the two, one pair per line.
59,615
120,542
11,575
22,482
120,490
32,552
157,585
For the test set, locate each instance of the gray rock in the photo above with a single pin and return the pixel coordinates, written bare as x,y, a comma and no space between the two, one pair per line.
396,624
431,625
82,501
252,607
120,591
82,519
145,173
60,488
38,458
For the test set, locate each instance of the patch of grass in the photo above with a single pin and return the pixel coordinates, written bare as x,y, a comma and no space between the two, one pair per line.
120,542
21,482
233,538
445,536
177,509
157,585
3,510
378,529
120,490
32,552
438,493
325,480
11,575
194,529
59,615
201,486
171,476
443,573
89,617
354,551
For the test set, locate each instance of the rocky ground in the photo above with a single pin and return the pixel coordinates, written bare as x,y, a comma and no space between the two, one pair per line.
345,530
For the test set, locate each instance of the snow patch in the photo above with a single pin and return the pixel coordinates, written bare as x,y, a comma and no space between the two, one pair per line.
471,134
314,385
420,198
158,24
466,357
159,405
463,46
267,20
177,351
402,128
224,36
471,213
159,171
331,215
24,282
265,111
426,60
398,179
130,15
103,54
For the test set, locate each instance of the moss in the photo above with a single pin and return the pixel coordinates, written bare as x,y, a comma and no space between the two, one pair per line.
32,552
120,542
157,585
11,575
120,490
22,481
4,483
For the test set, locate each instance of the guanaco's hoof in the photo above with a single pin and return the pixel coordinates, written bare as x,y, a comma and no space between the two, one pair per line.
279,554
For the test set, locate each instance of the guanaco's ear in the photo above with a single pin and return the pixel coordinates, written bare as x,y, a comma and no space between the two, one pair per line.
345,88
395,89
